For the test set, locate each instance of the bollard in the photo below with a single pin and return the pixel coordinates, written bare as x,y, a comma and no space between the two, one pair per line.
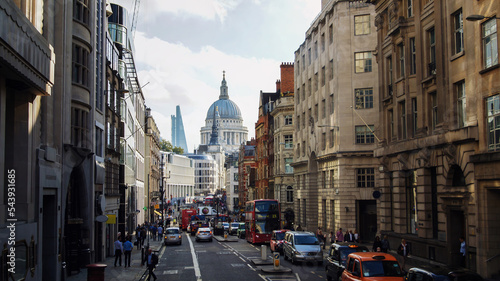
225,235
276,262
263,252
95,272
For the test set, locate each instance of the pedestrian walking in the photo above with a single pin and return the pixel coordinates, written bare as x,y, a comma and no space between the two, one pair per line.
404,251
385,244
160,232
127,249
332,237
152,261
377,245
339,236
118,251
356,237
154,231
349,236
321,237
462,251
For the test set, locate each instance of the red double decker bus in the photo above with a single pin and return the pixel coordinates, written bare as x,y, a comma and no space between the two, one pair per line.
261,218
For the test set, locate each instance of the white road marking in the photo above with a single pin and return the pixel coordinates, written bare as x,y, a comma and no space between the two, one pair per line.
197,272
298,278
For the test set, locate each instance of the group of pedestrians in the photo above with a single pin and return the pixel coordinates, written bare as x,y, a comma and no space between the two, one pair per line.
123,246
349,236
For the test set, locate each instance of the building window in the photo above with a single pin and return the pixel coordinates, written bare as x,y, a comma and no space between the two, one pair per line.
461,104
362,25
389,76
364,98
288,120
413,57
80,128
316,82
434,110
323,108
298,122
288,141
402,112
80,66
332,104
309,55
81,11
365,177
363,62
364,134
323,141
331,70
289,194
322,42
98,141
401,53
410,8
414,114
288,166
303,148
411,202
315,49
490,47
316,111
323,178
432,51
303,62
458,32
493,119
332,178
330,33
323,76
391,123
332,137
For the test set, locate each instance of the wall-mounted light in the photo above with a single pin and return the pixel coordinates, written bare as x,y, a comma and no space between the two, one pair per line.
479,17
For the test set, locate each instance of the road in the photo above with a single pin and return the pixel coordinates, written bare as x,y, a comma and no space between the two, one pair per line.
216,260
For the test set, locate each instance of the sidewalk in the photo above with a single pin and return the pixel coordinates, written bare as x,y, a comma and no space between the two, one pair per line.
120,273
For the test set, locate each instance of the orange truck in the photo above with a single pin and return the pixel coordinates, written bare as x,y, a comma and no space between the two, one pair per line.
186,218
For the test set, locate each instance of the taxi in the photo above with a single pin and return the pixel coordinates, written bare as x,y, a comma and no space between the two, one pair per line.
372,266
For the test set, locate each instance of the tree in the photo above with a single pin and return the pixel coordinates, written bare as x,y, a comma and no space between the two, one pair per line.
167,146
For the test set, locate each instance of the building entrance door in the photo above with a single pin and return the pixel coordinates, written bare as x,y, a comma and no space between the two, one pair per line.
367,219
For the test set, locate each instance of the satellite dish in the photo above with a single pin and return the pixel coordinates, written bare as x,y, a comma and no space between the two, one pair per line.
102,218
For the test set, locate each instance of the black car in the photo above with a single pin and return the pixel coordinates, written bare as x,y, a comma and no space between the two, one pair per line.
337,257
441,274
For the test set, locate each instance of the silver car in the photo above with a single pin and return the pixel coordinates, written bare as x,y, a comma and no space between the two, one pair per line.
172,235
302,246
204,234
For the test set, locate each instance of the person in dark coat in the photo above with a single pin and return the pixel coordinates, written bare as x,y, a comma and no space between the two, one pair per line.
385,244
377,245
404,251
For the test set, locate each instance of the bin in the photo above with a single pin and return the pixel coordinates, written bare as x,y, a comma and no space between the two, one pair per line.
95,272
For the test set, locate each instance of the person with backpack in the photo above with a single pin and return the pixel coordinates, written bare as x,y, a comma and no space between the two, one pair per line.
152,261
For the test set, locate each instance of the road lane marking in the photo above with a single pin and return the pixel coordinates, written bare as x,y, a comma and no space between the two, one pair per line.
197,272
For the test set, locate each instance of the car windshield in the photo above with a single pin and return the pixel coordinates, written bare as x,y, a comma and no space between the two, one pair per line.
280,235
306,240
172,231
346,251
381,268
235,225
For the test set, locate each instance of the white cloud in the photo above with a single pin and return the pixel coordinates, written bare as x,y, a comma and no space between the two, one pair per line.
179,76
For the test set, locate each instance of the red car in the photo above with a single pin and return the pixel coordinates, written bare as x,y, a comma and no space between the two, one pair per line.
277,239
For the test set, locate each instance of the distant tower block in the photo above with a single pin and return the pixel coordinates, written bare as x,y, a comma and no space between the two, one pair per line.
178,135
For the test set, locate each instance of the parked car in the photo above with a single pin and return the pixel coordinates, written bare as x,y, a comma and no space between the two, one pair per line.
172,235
233,228
277,238
204,234
441,274
372,266
337,258
241,230
226,226
302,246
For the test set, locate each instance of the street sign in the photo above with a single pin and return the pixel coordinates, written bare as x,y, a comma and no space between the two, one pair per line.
276,256
276,261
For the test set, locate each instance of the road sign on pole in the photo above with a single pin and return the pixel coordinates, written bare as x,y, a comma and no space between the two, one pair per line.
276,262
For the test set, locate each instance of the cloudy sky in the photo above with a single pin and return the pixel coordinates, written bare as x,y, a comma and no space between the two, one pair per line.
182,47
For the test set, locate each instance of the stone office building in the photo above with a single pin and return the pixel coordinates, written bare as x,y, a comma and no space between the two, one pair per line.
440,106
336,121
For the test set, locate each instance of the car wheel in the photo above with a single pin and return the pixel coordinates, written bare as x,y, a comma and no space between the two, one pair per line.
328,278
320,263
210,240
340,278
180,242
285,257
292,260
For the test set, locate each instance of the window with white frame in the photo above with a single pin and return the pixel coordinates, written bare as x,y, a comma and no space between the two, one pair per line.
461,104
493,120
364,134
288,141
288,120
363,62
409,7
490,47
413,56
458,32
401,53
363,98
434,110
288,165
362,25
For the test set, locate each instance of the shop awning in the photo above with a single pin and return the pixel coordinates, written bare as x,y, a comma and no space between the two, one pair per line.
158,213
